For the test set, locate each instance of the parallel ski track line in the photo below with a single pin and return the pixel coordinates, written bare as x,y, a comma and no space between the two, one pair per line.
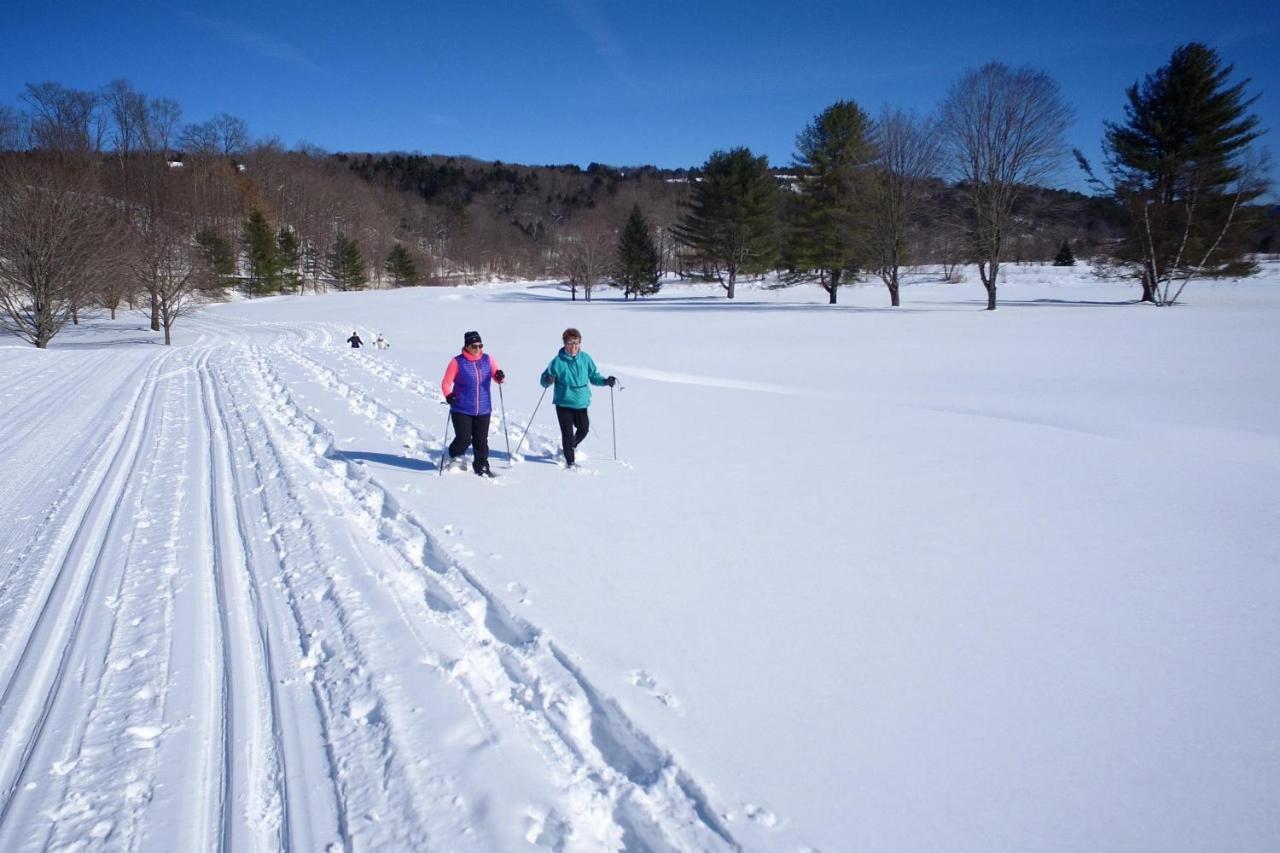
39,673
100,734
612,759
300,548
249,768
34,440
286,627
203,823
410,617
53,384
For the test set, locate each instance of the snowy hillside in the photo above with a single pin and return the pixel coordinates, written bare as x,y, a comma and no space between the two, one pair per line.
927,578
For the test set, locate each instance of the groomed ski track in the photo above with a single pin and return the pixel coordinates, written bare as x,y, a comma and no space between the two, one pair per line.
224,634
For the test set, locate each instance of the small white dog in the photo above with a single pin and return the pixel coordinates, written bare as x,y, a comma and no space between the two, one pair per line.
380,342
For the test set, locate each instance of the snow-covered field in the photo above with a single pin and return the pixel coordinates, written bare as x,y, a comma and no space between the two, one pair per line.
929,578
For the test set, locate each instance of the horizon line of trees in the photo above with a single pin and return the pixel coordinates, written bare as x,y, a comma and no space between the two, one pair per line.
107,198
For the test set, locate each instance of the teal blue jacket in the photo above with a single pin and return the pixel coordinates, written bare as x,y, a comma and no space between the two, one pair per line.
574,375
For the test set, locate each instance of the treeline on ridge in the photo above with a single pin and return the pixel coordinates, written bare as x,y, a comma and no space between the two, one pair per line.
120,202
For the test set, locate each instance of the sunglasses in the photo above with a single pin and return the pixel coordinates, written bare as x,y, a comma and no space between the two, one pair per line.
475,346
573,343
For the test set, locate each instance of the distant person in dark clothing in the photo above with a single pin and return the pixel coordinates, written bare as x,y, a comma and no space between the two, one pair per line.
355,341
466,389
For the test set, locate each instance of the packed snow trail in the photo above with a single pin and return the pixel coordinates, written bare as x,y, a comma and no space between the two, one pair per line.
220,634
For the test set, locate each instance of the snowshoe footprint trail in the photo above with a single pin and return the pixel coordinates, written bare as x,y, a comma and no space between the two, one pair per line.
652,797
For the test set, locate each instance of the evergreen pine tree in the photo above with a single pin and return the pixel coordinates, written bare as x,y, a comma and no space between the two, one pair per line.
731,220
833,155
637,270
401,267
218,256
289,256
1064,258
346,264
263,256
1182,167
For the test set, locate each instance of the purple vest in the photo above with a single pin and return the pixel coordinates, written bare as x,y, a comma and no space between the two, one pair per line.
472,385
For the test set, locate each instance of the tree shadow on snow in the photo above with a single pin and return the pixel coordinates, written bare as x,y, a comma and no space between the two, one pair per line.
698,302
1002,302
670,302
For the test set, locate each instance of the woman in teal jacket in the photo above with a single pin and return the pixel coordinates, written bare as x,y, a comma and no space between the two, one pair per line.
573,372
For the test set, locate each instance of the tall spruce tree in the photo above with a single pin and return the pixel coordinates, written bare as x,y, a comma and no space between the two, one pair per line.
400,266
262,253
731,220
289,256
637,271
346,264
1183,168
826,236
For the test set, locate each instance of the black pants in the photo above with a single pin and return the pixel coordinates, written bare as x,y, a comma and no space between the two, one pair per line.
471,429
574,425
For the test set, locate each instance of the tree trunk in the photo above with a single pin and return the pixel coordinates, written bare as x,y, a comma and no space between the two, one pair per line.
990,284
1148,288
733,280
155,312
894,301
168,334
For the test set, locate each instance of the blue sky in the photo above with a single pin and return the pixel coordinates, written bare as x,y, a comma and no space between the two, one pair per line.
624,83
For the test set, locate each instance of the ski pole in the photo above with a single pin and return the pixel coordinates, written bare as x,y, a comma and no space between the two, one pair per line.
613,423
444,448
505,434
526,426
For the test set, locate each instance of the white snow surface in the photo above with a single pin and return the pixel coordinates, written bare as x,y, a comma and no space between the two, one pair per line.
860,578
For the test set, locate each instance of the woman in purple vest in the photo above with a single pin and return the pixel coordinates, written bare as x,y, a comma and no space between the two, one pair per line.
466,388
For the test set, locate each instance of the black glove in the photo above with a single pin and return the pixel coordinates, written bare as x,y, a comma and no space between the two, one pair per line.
452,398
500,376
611,381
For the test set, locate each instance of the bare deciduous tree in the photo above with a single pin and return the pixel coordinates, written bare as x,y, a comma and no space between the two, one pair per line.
586,255
1004,128
127,112
181,274
63,120
163,117
56,244
12,128
223,134
908,153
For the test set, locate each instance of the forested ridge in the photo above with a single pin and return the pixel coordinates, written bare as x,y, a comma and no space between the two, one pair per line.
108,198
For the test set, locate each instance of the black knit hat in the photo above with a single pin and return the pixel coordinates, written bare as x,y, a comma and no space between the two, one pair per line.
471,338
